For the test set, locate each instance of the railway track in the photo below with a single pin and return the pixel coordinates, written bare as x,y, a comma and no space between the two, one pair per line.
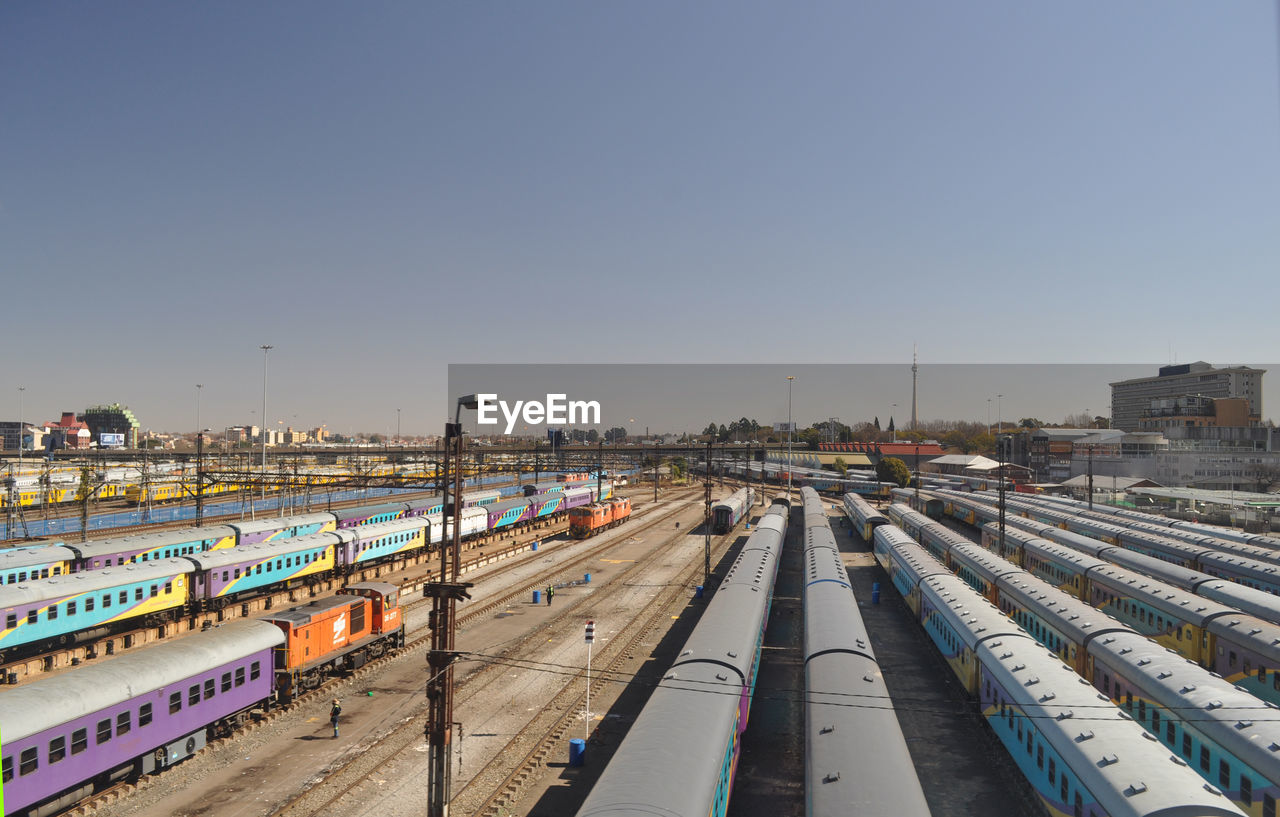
343,781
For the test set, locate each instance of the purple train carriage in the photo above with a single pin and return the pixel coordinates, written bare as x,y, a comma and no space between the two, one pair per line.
130,716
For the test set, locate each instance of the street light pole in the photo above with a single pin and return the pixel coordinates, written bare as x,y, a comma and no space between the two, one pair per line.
999,415
263,428
397,425
21,389
790,465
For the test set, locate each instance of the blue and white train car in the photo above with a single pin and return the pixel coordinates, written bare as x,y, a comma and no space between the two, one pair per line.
680,755
38,562
132,715
63,609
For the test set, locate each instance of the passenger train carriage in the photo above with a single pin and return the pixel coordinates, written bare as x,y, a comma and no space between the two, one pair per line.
131,715
680,755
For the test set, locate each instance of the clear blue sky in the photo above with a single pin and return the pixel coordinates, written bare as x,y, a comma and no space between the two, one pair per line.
379,189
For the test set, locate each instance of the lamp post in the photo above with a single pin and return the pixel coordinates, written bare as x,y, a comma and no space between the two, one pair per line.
397,426
265,351
894,410
988,416
21,389
999,415
790,380
199,388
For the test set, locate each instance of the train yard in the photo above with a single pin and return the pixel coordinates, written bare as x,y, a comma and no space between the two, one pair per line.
522,686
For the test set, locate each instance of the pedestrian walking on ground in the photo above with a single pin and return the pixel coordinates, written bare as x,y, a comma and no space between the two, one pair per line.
551,591
333,716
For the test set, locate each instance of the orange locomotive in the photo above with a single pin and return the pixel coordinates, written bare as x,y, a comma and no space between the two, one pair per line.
589,520
339,633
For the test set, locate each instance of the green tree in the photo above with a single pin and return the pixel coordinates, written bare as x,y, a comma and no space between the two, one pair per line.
679,467
841,466
1029,422
892,469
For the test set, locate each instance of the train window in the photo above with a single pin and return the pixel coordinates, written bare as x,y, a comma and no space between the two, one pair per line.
124,722
258,571
1262,673
1248,667
226,682
1246,790
1128,701
1171,733
209,686
1155,721
1040,756
79,741
168,587
239,676
1268,806
124,596
71,608
8,770
57,749
104,730
1186,745
31,616
226,575
1224,773
11,621
1231,660
1030,740
1065,787
237,572
88,604
1142,711
144,715
137,594
28,761
1053,772
175,703
1204,758
1177,633
155,590
106,600
255,670
53,611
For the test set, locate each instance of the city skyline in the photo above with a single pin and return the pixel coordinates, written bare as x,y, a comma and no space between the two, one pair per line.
673,398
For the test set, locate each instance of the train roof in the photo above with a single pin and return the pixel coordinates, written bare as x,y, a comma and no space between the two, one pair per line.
1061,609
970,615
1181,603
91,581
26,710
280,523
267,550
370,510
16,558
389,527
304,614
150,541
1231,717
1249,600
1122,766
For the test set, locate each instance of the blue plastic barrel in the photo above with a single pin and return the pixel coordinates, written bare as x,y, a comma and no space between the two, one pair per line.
537,596
586,578
875,592
535,545
697,592
577,752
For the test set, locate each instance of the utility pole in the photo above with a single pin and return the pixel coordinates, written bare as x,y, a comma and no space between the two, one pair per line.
1000,454
706,527
445,593
263,428
199,477
1090,449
